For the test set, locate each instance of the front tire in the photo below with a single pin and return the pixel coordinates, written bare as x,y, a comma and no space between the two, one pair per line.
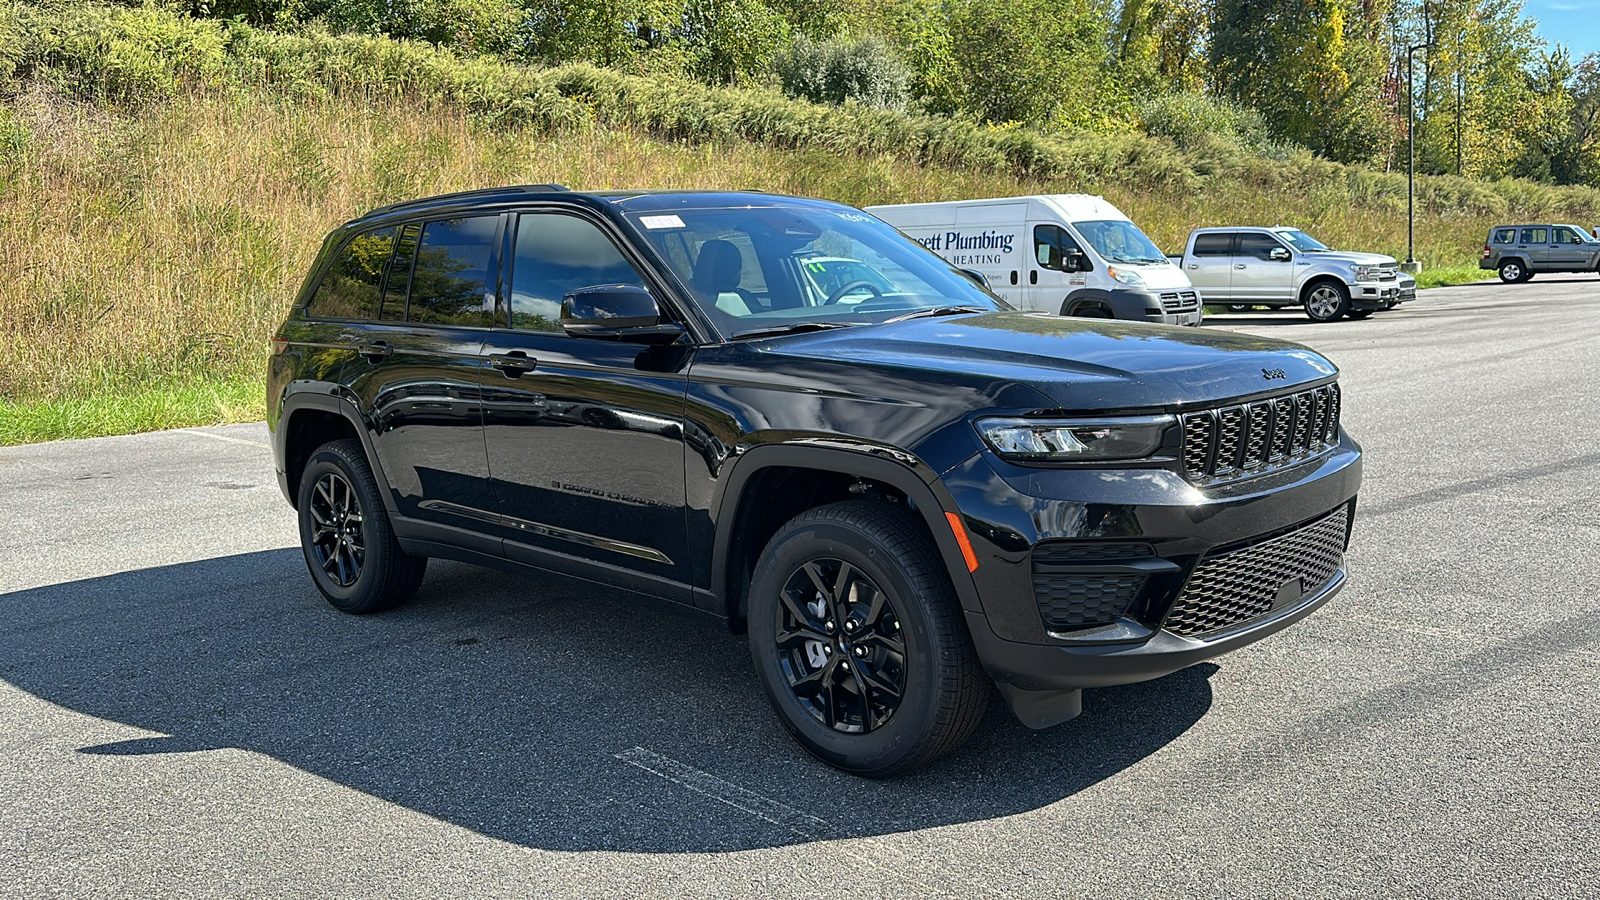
1327,301
859,642
345,535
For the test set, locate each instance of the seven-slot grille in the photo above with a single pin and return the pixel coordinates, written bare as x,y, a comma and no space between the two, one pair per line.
1180,301
1233,587
1250,438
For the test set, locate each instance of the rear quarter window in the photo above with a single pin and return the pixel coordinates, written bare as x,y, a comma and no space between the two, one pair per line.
1504,236
349,290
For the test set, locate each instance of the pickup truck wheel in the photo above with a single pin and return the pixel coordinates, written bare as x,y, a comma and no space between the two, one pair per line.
1512,271
1239,307
349,546
859,642
1327,301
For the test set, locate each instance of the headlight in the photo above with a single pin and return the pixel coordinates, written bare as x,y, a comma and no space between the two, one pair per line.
1126,276
1365,273
1065,440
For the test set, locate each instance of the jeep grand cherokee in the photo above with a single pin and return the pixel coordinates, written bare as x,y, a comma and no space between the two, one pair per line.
901,489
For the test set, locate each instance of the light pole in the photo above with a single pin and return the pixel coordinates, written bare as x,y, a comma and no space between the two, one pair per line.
1411,265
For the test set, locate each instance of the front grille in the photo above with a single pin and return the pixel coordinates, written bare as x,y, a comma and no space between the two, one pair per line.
1070,601
1234,587
1067,552
1250,438
1180,301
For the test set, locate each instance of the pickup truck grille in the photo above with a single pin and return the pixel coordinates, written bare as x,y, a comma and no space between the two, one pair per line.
1232,588
1180,301
1239,441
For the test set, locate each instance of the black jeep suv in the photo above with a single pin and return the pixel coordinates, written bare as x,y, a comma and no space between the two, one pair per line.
901,488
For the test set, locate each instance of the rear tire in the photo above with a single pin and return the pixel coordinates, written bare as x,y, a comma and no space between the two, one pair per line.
859,641
1327,301
345,535
1514,271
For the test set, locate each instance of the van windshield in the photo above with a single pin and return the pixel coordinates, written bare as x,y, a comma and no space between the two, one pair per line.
1118,240
765,270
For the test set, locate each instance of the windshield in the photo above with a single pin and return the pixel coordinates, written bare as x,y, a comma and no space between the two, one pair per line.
765,269
1118,240
1301,241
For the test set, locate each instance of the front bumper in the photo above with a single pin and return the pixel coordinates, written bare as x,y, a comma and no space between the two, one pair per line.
1182,525
1366,295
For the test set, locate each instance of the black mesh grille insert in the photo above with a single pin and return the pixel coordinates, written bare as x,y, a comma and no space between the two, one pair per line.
1231,588
1069,601
1235,441
1078,551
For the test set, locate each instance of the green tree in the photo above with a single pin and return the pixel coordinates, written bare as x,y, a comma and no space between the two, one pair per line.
1036,63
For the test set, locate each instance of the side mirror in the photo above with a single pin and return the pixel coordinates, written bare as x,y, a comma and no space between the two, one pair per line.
616,311
976,276
1281,254
1073,260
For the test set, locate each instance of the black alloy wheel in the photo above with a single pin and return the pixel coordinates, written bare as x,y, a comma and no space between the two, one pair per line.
337,541
349,546
839,646
859,641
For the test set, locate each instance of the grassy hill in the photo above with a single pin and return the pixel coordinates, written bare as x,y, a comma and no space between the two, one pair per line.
164,183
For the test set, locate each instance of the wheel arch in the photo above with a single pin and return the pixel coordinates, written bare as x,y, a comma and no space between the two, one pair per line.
309,421
774,483
1324,278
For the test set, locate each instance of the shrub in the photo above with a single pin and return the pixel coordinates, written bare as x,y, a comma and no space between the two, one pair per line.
833,71
1191,119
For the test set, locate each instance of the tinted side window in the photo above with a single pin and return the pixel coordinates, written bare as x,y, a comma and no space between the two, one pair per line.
1535,235
1259,246
1047,236
1566,236
350,289
394,291
452,282
1213,245
555,255
1505,236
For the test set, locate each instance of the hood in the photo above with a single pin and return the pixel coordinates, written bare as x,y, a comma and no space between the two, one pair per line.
1078,365
1352,258
1162,276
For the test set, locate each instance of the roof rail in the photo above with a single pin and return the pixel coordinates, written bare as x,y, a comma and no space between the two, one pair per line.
480,192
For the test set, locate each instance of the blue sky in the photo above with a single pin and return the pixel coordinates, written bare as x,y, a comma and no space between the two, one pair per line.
1575,23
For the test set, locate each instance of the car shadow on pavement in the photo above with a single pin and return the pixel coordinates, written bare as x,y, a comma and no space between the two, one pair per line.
535,710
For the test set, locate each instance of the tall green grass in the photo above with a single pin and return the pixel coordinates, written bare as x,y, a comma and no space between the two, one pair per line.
165,182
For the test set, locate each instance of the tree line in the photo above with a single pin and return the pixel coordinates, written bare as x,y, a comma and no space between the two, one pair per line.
1341,78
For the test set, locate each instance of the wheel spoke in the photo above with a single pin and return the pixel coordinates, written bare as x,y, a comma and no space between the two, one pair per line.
788,640
875,608
875,680
812,682
344,576
325,489
830,709
798,610
869,719
841,585
814,572
892,644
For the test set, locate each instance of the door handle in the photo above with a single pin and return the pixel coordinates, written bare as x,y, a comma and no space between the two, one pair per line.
513,364
1194,265
375,351
1033,276
1239,265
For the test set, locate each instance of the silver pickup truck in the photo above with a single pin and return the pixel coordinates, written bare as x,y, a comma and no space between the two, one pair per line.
1278,266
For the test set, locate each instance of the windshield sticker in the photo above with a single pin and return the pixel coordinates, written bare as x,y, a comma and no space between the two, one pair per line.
656,222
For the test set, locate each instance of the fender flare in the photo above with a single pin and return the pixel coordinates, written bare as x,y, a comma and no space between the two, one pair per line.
341,402
896,468
1088,295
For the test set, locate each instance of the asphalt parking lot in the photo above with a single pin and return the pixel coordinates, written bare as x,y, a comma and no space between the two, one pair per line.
182,715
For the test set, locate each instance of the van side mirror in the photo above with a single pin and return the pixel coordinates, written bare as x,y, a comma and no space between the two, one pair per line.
619,312
1073,260
1281,254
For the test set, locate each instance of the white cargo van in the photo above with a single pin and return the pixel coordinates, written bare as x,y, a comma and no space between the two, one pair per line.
1071,254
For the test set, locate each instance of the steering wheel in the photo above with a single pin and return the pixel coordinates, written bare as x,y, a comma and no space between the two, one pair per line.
840,292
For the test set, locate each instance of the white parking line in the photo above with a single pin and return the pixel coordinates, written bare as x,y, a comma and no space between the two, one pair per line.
222,437
802,824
